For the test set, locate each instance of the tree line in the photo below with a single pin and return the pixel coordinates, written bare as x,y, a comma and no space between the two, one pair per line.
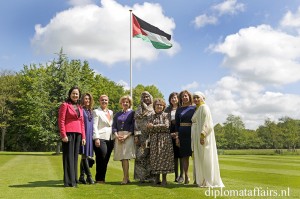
29,102
284,134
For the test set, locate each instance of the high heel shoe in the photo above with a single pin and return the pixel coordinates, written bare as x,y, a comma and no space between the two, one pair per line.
180,179
187,181
125,182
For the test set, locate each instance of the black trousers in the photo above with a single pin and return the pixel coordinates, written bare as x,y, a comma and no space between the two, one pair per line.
70,151
102,158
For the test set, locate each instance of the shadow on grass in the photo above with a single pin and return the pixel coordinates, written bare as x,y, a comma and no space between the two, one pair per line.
150,184
30,154
48,183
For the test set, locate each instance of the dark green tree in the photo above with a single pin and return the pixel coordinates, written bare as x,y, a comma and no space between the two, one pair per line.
137,91
233,130
8,92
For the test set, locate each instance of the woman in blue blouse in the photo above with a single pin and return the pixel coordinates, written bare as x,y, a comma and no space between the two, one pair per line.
123,128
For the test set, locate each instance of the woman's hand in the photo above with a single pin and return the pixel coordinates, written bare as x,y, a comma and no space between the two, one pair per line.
136,140
177,142
97,143
65,139
124,137
120,138
83,142
149,125
202,139
173,135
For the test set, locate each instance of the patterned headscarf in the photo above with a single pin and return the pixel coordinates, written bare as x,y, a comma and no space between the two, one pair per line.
144,109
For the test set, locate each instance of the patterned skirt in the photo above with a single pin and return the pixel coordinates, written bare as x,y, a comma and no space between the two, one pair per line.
161,153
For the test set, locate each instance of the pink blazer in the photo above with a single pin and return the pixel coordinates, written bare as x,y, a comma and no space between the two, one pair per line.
68,120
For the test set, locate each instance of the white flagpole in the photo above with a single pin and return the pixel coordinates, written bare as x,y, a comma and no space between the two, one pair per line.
130,12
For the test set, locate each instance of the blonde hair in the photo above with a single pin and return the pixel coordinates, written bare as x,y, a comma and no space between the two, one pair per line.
101,96
126,97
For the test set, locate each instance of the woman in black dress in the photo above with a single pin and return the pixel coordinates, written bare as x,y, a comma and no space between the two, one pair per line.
183,125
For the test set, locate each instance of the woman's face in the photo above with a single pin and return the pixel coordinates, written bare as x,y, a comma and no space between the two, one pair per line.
159,107
197,100
103,102
146,99
86,100
74,95
185,98
125,104
174,100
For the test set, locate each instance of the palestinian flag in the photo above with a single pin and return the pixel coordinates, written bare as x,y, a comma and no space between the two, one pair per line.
150,33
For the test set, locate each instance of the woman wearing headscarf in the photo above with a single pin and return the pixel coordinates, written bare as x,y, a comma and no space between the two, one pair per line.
142,161
206,165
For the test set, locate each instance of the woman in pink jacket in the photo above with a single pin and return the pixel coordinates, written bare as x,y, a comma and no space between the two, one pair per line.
72,133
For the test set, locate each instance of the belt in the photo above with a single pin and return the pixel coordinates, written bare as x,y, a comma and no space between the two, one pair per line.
185,124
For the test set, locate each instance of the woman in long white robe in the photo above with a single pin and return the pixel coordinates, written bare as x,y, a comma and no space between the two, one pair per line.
206,165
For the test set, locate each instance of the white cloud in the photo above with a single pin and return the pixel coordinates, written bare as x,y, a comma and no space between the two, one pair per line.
192,86
80,2
203,20
250,101
101,33
262,54
291,20
123,83
259,58
229,7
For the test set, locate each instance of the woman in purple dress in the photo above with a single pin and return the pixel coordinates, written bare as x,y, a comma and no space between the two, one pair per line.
86,151
123,129
183,120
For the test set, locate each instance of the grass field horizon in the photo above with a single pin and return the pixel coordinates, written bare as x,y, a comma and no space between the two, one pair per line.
39,175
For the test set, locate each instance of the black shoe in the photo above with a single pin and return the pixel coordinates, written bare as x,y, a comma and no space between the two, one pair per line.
86,167
82,180
89,180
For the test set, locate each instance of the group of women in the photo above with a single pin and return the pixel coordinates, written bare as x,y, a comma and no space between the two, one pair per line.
160,139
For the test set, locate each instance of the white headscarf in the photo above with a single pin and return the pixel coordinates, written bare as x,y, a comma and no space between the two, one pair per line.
199,94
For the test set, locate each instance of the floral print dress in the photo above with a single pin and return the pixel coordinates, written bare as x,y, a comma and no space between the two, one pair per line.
161,148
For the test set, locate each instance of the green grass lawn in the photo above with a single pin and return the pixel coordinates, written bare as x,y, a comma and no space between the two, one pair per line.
39,175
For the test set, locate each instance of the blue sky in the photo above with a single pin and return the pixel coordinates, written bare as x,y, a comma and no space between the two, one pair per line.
244,55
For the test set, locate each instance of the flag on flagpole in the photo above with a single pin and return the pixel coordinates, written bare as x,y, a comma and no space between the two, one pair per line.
147,32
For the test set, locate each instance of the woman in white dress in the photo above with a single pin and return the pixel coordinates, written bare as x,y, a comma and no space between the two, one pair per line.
206,164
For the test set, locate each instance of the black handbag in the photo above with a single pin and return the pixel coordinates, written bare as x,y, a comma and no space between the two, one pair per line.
91,162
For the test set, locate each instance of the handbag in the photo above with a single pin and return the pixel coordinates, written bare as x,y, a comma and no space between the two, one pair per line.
91,161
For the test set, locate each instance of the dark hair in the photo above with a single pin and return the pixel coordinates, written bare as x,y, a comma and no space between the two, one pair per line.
189,94
69,94
170,97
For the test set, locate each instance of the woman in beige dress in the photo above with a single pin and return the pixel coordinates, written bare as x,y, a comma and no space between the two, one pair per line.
123,129
206,164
